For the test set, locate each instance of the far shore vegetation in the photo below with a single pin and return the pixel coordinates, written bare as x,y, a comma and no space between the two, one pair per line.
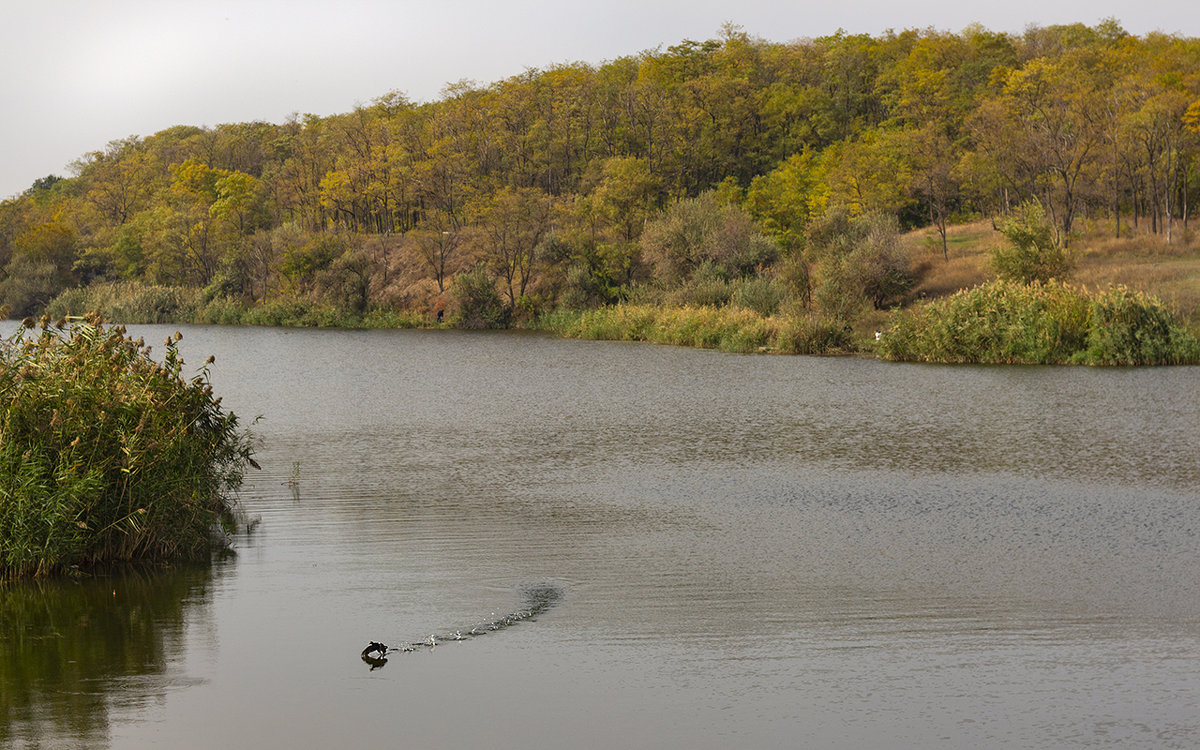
919,195
109,455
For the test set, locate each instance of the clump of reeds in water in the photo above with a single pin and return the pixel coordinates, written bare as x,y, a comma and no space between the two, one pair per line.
1041,323
108,455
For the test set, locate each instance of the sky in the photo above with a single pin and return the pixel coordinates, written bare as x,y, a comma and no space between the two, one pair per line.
77,74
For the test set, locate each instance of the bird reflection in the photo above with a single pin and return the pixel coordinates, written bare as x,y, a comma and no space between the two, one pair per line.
375,662
375,654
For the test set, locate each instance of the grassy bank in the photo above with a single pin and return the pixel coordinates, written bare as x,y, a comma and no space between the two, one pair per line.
1053,323
107,454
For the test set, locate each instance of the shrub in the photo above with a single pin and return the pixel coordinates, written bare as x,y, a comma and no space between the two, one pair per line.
479,304
707,287
813,334
702,229
763,296
588,284
222,311
860,260
1032,253
582,289
728,329
107,455
29,285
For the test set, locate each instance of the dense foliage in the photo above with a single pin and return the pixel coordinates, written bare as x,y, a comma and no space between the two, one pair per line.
106,454
1051,323
575,185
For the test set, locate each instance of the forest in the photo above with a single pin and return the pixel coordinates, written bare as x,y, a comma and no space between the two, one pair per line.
728,173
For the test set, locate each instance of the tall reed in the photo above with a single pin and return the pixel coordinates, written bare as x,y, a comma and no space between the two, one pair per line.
107,454
1005,322
129,302
731,329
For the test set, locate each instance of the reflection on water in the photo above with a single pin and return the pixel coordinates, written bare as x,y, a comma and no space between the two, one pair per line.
755,551
71,651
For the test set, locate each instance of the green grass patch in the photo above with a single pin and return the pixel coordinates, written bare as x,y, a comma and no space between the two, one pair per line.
106,454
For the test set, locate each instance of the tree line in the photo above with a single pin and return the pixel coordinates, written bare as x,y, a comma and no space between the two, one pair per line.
573,185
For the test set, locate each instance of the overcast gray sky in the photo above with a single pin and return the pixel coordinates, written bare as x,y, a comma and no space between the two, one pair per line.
77,74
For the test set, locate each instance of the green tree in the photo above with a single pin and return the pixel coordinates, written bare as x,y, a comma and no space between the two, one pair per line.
932,158
785,198
1044,133
40,267
120,180
513,223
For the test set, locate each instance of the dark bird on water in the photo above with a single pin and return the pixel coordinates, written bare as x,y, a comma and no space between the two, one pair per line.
374,648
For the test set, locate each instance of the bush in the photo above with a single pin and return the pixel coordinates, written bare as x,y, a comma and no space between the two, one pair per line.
1032,253
222,311
107,455
582,289
728,329
700,229
479,304
30,285
763,296
813,334
861,261
707,287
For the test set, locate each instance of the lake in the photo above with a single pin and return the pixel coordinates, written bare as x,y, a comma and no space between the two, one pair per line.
730,552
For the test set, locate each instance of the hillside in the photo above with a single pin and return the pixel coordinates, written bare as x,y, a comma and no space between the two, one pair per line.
778,177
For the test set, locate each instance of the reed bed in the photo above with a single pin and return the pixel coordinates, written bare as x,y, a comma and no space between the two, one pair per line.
129,302
731,329
1052,323
136,302
108,455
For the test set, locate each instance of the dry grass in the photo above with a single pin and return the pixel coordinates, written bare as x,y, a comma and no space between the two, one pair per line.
1148,264
967,245
1143,261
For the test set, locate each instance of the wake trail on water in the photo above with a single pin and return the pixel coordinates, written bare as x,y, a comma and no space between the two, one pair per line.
537,599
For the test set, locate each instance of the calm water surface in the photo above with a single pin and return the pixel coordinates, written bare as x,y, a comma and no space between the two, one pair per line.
750,552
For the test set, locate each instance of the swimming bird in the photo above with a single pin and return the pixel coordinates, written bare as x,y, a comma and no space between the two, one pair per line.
373,647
